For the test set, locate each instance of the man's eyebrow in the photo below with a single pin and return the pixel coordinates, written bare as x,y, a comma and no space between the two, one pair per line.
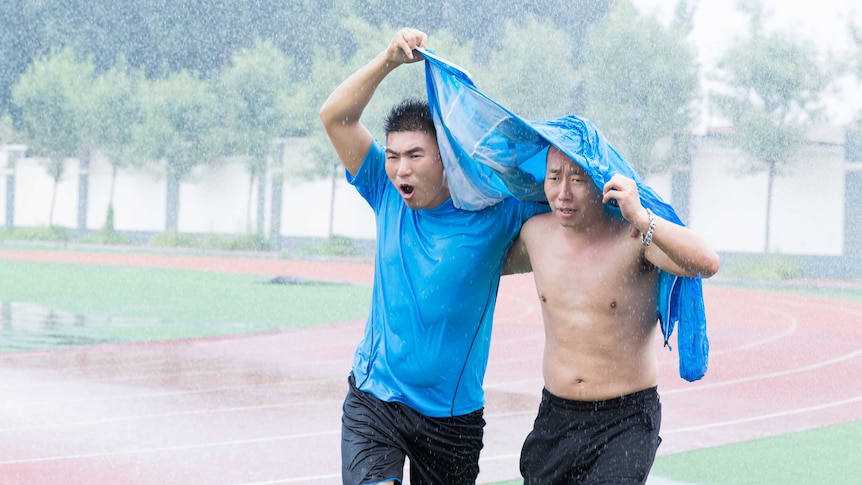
409,151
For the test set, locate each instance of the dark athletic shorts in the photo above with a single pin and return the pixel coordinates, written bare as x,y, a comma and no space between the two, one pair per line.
612,442
377,435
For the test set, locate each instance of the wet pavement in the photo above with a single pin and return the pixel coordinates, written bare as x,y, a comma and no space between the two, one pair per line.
265,408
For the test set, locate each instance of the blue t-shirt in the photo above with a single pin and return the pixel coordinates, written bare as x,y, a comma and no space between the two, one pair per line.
436,276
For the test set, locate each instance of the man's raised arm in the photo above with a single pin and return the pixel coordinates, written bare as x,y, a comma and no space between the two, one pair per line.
341,112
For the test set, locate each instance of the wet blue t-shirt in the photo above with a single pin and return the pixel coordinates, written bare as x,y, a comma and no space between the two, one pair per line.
436,276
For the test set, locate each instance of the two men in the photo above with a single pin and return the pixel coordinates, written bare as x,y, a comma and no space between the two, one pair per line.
415,386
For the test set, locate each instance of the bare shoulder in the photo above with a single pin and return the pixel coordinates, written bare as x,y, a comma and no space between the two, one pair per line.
537,222
533,228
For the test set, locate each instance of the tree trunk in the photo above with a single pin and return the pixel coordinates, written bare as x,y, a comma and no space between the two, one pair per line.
248,203
770,182
172,204
113,185
275,210
10,200
56,170
332,201
109,217
53,200
83,190
261,202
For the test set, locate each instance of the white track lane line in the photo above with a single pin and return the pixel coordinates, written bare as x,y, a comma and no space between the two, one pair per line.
144,417
763,417
155,395
141,451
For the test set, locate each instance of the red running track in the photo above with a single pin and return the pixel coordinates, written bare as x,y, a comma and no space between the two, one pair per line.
265,408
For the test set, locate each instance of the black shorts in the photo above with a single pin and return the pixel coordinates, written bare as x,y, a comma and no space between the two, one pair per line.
613,441
376,436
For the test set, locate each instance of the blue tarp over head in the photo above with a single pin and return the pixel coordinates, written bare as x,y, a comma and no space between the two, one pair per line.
491,153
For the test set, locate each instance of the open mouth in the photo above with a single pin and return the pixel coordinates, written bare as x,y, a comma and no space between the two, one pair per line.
564,211
406,189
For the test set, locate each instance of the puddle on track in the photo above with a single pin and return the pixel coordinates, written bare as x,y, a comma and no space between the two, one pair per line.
31,327
28,327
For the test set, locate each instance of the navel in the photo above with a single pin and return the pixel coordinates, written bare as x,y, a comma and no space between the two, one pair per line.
614,304
542,297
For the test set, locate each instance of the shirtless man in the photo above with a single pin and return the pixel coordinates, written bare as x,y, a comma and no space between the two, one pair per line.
600,413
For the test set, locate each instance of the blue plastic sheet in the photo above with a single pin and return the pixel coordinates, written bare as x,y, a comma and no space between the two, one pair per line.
490,153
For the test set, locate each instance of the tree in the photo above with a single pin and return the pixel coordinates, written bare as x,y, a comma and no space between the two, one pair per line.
51,95
534,79
774,82
640,81
262,101
113,108
180,128
18,47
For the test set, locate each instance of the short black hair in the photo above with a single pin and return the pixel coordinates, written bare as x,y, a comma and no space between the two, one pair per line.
410,115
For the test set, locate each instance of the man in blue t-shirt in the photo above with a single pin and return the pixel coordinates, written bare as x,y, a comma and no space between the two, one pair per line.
415,388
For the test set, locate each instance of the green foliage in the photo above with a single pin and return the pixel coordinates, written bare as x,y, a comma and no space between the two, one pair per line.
109,220
174,239
47,234
112,108
768,267
334,246
110,238
244,242
534,79
640,81
774,80
107,234
7,130
51,95
262,100
766,144
180,124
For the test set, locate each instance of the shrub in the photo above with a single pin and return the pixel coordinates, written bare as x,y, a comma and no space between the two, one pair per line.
769,267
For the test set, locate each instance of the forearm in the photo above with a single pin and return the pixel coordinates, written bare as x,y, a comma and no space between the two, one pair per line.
517,259
689,254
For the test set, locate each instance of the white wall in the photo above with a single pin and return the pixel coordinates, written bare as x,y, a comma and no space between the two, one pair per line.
727,207
33,188
306,208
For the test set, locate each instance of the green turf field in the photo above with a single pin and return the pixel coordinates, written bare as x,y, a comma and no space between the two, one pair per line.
822,456
112,303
